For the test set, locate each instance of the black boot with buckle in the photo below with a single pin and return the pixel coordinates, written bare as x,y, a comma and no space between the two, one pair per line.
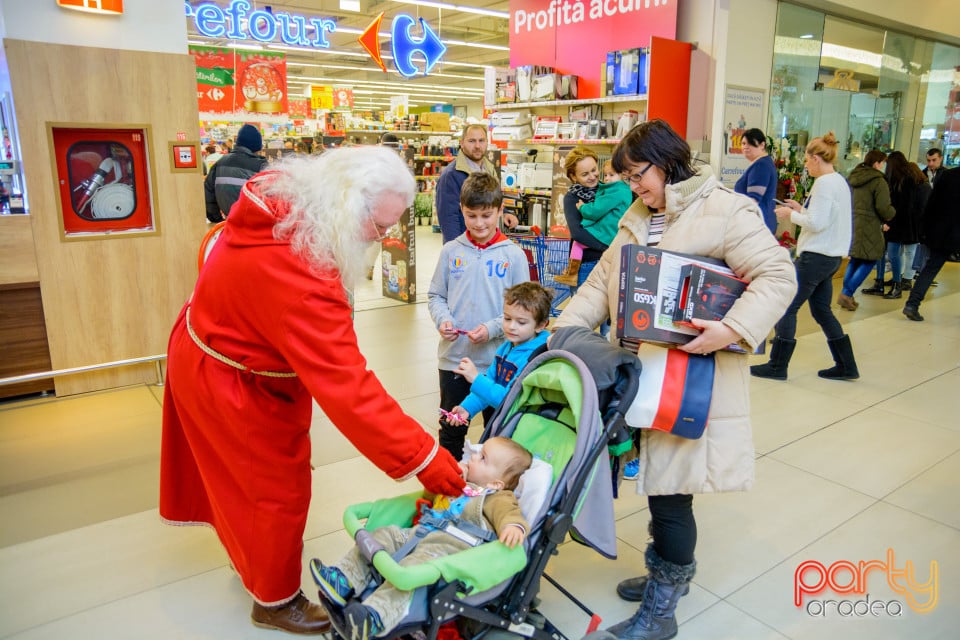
875,290
895,293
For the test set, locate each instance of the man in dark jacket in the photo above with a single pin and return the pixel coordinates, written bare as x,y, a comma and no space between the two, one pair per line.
934,168
225,179
473,148
940,230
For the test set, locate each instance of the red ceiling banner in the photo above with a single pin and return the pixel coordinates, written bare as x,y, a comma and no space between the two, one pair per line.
575,36
215,81
233,81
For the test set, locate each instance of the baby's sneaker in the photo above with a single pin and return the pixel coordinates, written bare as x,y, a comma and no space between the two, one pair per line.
334,585
361,622
631,471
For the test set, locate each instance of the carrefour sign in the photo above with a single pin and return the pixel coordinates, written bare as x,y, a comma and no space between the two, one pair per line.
236,21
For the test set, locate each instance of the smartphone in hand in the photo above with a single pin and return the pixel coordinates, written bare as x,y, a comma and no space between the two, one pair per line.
780,202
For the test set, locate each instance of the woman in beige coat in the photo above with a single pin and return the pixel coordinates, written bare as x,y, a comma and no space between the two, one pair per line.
685,209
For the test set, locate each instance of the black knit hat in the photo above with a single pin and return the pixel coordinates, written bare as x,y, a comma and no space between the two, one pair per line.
250,138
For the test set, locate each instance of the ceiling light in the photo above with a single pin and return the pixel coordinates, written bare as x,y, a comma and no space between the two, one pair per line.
461,43
293,63
349,5
806,36
453,7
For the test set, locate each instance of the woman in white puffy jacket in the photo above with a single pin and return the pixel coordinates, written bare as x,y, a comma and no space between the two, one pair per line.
684,208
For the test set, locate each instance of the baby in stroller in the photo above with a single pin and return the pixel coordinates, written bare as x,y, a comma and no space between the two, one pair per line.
553,410
453,524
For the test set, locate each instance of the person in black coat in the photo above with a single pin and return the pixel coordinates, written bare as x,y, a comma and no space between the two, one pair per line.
909,191
940,231
226,178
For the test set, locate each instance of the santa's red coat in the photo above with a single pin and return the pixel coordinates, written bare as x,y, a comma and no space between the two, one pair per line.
236,448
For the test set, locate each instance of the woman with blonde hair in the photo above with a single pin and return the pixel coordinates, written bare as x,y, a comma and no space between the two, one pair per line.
827,225
267,331
584,173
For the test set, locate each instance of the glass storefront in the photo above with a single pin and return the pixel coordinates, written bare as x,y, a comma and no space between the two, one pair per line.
873,87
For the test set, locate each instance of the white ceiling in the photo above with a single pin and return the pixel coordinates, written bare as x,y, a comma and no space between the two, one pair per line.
456,79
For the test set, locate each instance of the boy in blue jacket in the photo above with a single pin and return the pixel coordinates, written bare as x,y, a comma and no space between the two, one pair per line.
466,295
526,312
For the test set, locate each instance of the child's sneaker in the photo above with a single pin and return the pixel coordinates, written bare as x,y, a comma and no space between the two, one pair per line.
332,582
631,471
361,622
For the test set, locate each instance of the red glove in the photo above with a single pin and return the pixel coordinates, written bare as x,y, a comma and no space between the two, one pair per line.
443,475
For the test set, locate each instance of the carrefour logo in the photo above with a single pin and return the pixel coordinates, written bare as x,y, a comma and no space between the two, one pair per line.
404,46
236,21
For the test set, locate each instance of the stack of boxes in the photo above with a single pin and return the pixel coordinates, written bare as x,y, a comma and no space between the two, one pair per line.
626,72
534,83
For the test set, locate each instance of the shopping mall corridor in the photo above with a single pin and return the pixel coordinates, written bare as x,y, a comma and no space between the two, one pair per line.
845,471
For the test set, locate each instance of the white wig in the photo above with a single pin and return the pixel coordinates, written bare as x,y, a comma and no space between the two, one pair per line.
332,198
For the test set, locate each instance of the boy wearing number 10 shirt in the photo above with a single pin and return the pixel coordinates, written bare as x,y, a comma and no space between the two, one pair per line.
466,295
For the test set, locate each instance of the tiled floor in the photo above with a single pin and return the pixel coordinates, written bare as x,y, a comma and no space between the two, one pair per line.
845,471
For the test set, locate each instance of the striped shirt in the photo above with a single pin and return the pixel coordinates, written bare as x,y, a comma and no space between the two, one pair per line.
656,229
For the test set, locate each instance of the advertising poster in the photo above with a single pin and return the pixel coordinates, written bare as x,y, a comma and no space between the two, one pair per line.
233,81
399,261
342,99
300,108
742,110
215,81
262,81
321,97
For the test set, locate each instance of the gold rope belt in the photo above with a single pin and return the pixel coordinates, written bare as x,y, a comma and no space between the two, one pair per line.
233,363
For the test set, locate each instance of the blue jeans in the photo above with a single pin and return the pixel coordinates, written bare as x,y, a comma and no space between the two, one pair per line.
920,257
585,269
901,255
814,283
857,271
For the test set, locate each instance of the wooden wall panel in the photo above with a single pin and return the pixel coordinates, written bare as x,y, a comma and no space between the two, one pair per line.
23,339
109,299
18,259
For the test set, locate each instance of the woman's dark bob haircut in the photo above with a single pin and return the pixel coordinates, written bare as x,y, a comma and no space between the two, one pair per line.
657,143
755,137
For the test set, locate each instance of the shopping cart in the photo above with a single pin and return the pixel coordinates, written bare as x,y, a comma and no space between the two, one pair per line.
548,258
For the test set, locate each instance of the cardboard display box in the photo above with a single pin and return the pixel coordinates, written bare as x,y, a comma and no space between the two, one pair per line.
650,294
435,121
706,293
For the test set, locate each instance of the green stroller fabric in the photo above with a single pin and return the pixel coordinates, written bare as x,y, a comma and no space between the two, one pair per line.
548,380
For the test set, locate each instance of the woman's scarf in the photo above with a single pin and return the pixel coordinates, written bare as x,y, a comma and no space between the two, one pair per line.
587,194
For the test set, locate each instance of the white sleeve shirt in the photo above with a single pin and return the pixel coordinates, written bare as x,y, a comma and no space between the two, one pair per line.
826,220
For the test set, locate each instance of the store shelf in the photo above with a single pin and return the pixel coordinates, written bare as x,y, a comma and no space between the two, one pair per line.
565,103
434,158
427,177
529,192
380,132
569,141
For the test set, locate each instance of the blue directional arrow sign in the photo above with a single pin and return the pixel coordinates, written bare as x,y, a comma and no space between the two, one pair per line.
405,46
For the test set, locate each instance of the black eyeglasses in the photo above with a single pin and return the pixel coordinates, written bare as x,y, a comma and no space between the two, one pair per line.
635,178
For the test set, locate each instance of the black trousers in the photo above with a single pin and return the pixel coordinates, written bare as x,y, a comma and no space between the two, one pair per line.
673,527
814,285
930,269
453,389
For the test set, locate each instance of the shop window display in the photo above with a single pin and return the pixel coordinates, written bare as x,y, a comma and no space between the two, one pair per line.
874,88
